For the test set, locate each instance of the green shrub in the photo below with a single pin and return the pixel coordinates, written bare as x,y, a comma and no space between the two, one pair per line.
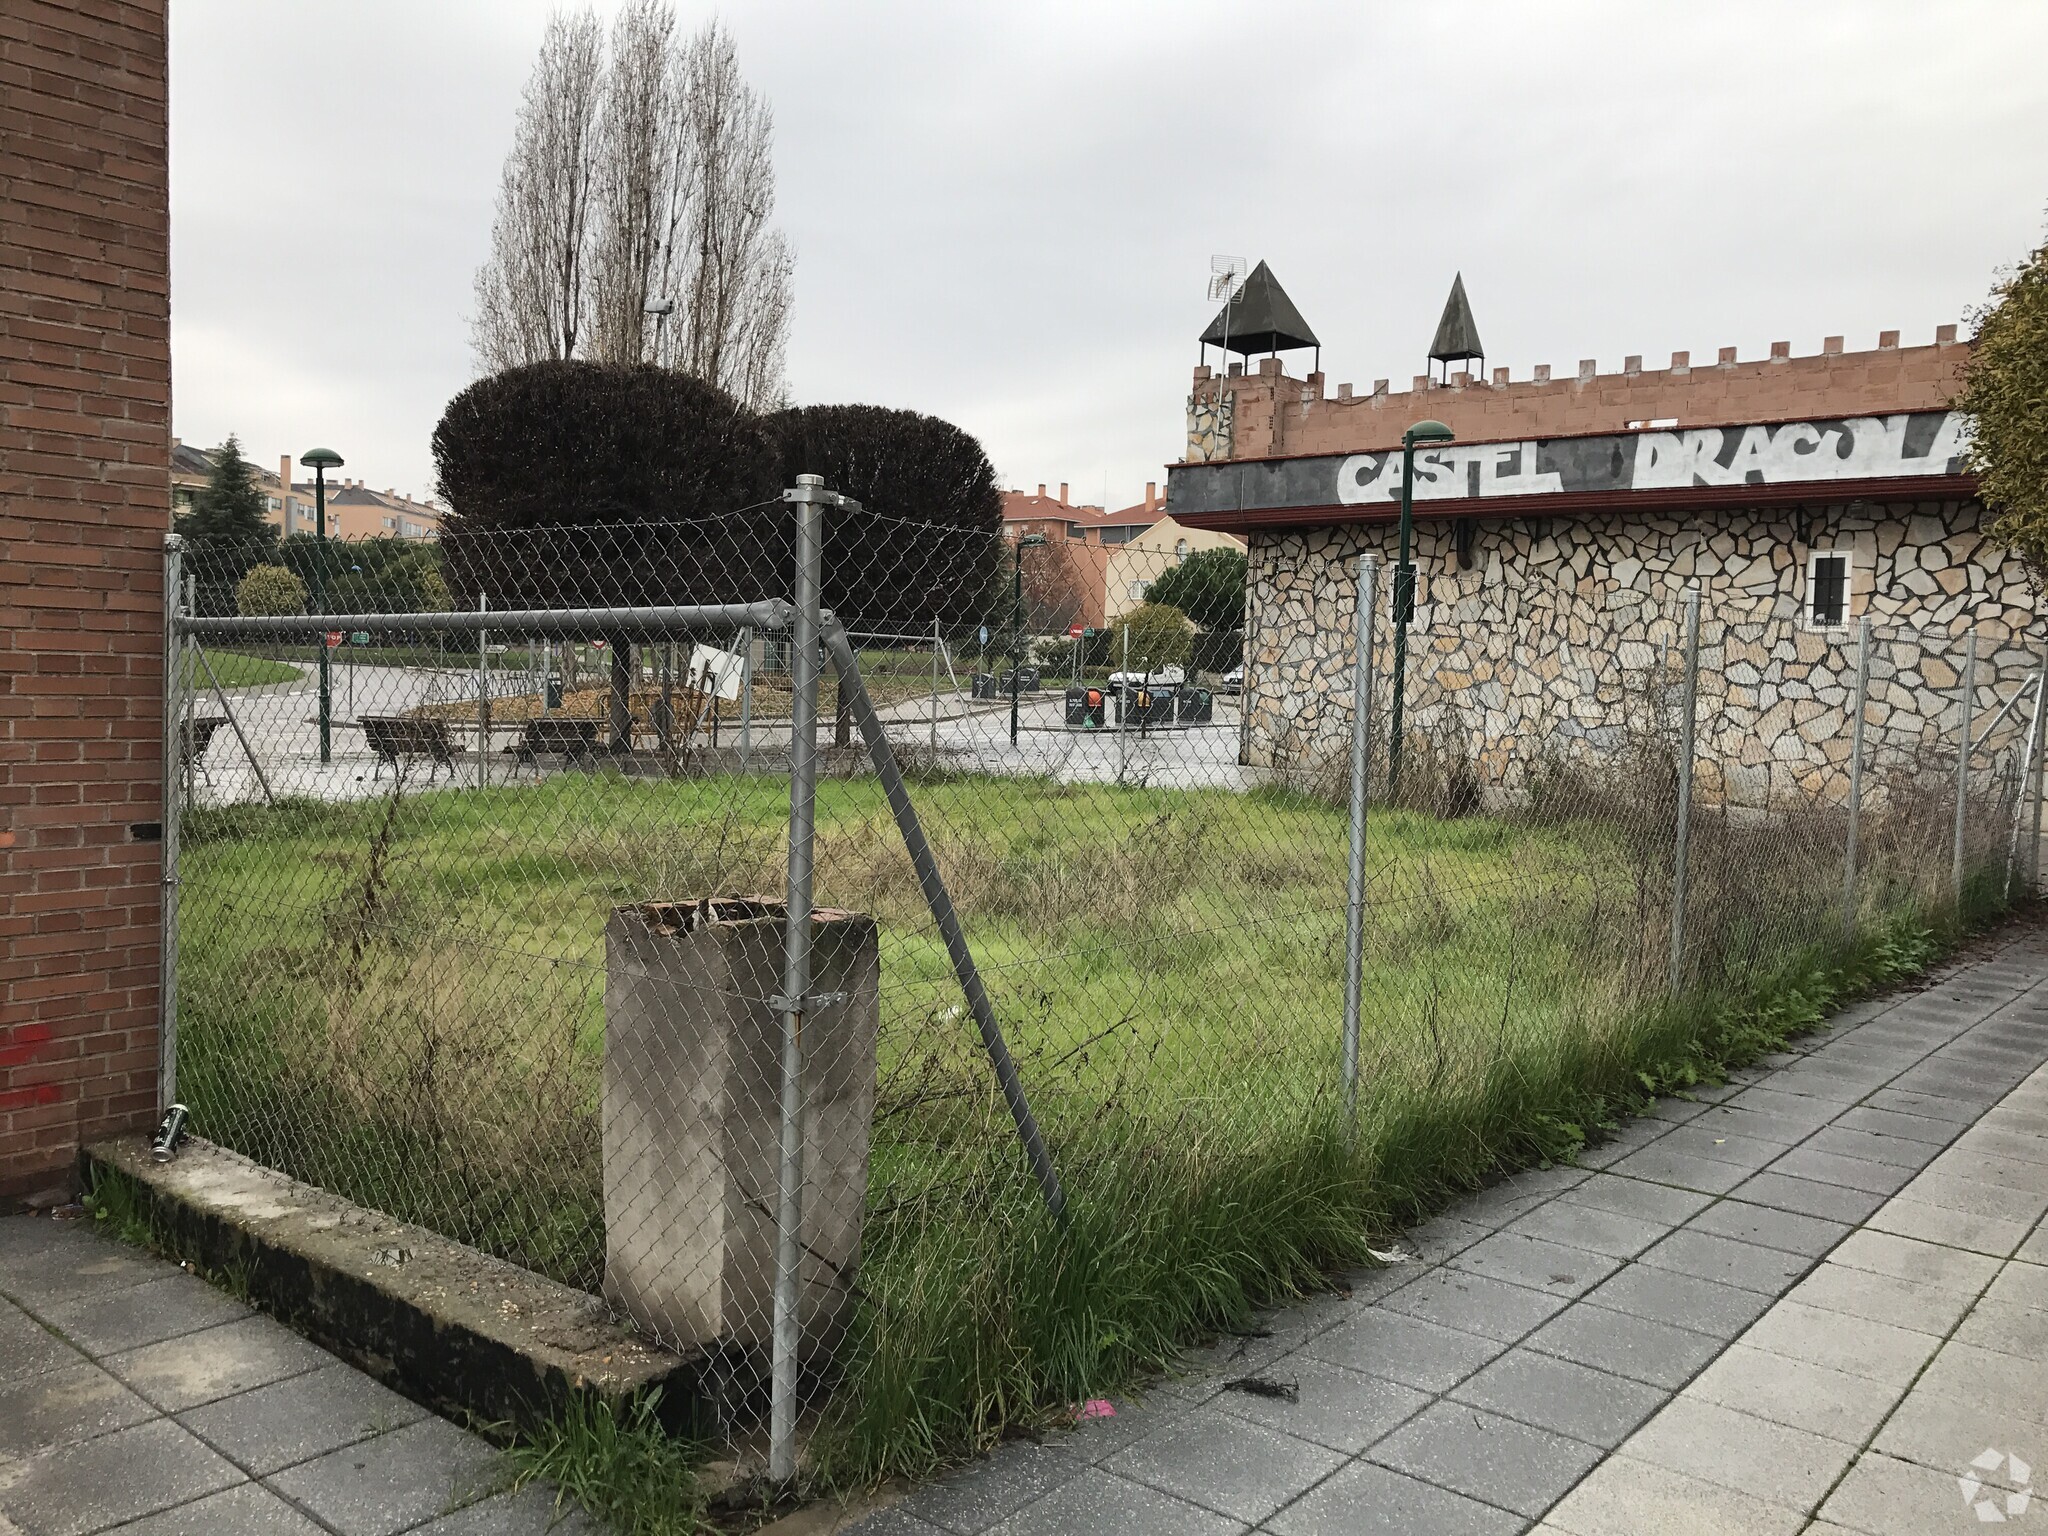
1160,637
269,590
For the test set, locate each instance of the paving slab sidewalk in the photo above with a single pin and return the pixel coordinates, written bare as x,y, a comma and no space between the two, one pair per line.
1814,1298
135,1397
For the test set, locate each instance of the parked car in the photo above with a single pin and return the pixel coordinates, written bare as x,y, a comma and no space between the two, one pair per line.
1165,677
1232,681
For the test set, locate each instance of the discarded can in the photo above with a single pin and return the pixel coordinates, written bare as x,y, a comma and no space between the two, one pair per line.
169,1132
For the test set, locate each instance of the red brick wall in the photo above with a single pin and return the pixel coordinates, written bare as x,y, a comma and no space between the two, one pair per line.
1278,415
84,503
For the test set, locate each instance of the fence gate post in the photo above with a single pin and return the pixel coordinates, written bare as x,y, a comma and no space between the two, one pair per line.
1682,839
809,498
174,738
1856,774
1361,770
1969,700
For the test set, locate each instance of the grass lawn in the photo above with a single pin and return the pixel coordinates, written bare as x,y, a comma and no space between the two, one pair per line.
403,1000
235,670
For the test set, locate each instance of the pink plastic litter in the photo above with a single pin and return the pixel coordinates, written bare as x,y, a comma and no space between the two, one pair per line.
1098,1408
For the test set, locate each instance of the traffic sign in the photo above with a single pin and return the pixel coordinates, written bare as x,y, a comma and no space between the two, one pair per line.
333,639
1075,631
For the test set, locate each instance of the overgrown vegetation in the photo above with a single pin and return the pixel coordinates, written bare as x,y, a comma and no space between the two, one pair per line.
420,979
618,1462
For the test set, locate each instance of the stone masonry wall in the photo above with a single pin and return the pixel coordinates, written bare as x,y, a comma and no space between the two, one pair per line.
1558,636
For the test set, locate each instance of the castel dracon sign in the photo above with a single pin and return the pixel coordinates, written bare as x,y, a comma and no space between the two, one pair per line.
1919,443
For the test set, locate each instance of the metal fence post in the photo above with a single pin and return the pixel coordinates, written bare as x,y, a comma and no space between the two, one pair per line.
809,498
1122,699
935,688
746,696
1361,769
1969,700
1687,753
2028,750
1856,774
187,692
483,695
173,794
2040,714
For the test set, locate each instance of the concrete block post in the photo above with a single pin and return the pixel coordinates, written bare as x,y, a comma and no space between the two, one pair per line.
692,1091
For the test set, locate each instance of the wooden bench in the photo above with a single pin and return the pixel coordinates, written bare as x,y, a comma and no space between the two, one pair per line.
565,736
398,738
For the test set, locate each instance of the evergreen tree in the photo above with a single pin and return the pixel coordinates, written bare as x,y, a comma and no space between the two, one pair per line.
227,524
1208,587
2005,397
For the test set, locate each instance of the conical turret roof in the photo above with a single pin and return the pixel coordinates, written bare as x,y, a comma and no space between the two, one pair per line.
1260,319
1457,334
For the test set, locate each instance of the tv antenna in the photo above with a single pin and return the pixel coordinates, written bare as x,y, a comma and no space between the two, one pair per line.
1226,282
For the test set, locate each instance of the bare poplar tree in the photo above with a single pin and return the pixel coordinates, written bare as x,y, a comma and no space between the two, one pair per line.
647,175
532,294
727,267
638,133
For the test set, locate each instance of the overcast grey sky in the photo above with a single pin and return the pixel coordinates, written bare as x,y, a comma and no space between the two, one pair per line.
1004,215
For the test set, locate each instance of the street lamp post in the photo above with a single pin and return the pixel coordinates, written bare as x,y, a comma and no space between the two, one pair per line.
1029,541
320,460
661,309
1404,582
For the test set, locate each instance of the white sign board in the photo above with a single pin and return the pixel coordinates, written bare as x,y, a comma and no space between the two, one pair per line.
714,671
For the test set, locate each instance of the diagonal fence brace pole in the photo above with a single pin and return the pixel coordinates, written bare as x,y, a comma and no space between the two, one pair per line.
221,698
941,903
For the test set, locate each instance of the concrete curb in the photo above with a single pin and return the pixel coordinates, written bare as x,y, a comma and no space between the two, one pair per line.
472,1337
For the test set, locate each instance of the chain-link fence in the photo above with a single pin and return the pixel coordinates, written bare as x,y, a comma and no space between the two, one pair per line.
1138,979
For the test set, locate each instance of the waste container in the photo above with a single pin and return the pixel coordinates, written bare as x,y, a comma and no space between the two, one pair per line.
1194,706
984,685
1025,680
554,694
1086,706
1138,704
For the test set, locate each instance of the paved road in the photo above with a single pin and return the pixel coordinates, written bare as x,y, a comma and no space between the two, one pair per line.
1814,1299
134,1397
281,724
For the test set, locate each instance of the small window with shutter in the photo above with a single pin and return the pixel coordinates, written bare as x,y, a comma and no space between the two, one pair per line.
1827,589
